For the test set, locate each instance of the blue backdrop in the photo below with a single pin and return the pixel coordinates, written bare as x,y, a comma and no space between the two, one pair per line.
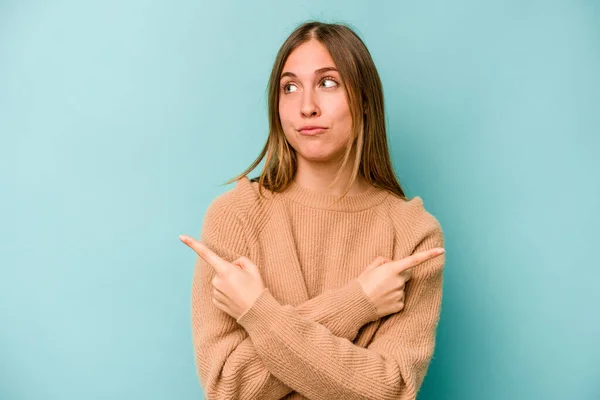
120,119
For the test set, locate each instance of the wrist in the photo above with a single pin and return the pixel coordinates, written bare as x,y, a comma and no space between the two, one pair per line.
352,305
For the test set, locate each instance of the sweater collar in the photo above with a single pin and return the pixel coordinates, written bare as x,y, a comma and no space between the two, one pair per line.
357,202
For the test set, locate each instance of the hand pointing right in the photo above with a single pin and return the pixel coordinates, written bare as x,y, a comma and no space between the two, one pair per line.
383,280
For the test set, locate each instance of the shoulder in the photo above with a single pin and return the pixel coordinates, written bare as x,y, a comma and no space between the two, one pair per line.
416,230
413,221
241,206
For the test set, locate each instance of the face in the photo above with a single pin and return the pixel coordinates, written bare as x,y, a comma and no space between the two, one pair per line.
311,94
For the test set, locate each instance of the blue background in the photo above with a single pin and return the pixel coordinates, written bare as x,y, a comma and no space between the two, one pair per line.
119,121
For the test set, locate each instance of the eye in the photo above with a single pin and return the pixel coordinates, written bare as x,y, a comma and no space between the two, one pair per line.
330,79
290,87
285,87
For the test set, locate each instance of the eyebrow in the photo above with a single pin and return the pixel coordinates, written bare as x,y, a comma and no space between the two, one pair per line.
317,72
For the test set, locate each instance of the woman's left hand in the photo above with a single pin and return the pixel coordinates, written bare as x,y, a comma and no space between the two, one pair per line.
237,285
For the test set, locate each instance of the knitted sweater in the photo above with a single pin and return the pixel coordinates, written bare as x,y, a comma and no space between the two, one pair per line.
313,333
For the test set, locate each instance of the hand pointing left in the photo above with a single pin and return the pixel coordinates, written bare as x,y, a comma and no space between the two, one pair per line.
236,285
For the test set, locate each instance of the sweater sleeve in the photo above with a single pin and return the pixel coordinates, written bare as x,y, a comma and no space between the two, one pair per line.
343,310
227,362
311,360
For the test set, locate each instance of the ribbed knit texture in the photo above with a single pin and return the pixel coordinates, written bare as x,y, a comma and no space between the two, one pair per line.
313,333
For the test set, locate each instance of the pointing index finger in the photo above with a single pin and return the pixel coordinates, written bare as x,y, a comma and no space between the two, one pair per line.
417,258
207,254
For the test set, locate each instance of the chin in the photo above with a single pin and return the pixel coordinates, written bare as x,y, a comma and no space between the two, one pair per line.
317,156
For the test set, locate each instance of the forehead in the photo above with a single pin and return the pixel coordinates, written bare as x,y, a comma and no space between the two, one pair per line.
308,57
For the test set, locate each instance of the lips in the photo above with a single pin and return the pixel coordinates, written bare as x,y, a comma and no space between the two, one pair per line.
311,130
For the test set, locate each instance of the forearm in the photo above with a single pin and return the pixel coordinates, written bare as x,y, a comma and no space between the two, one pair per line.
305,355
241,373
342,310
309,359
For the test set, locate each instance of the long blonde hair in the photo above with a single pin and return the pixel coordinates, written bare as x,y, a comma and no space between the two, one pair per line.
365,99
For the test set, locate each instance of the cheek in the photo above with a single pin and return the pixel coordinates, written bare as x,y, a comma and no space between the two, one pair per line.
336,105
340,113
285,112
286,120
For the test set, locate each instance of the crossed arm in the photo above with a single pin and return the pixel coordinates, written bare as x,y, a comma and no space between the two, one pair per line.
242,374
274,349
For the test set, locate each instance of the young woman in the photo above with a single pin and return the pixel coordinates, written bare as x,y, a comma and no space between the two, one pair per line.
319,279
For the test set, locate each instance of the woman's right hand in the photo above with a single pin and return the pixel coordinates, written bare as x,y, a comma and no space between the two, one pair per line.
383,280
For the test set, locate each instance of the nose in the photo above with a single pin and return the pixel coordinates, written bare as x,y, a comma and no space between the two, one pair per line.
309,106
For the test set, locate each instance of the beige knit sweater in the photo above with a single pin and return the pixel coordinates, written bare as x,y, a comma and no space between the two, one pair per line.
313,333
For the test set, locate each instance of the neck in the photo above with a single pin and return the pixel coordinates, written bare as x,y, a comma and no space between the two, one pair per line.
319,176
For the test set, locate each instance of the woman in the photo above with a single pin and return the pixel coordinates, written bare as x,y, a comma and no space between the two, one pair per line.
295,293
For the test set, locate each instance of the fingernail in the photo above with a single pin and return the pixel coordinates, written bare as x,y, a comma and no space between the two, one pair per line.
182,238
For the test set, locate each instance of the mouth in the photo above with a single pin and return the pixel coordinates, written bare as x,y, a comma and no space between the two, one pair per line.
311,130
